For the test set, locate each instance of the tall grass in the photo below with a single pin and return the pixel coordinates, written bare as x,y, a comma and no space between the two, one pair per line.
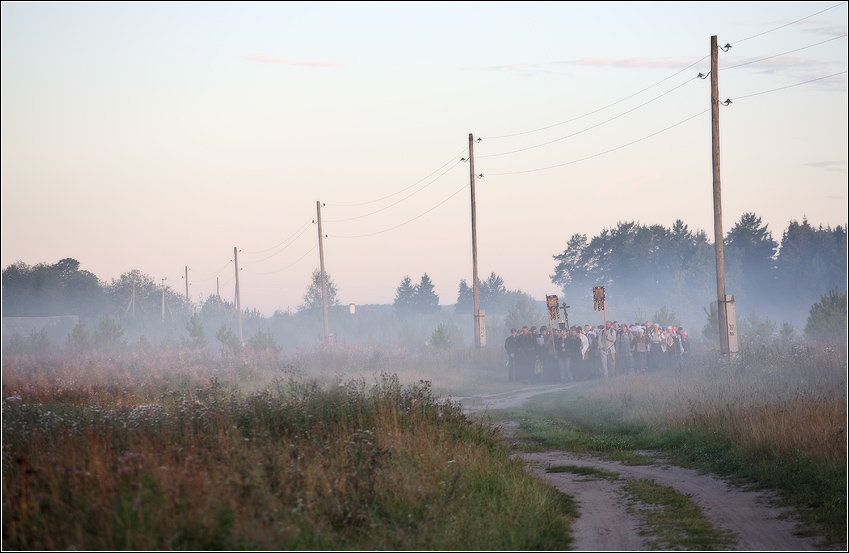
182,451
777,401
774,416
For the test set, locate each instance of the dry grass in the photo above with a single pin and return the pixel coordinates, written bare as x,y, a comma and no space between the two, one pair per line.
183,451
780,401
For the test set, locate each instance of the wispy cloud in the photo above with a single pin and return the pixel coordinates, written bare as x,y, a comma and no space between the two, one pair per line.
640,63
265,58
838,166
823,27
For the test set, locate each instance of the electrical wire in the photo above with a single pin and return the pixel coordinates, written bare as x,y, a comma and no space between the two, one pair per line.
604,152
403,189
287,266
405,222
301,231
601,108
787,24
783,54
298,232
588,128
401,200
788,86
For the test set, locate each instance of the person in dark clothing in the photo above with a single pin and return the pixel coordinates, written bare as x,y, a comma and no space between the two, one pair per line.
546,356
511,346
570,354
527,355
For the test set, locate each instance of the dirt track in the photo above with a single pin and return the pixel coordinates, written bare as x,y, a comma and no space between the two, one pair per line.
607,524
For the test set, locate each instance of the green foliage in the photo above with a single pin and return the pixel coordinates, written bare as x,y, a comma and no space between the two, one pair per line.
47,290
787,331
110,337
405,296
523,313
425,300
827,319
313,298
230,343
80,339
753,326
446,335
665,317
810,260
711,328
296,465
263,341
37,342
197,336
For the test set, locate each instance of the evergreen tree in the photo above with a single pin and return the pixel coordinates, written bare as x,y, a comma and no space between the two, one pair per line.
465,299
110,337
426,301
493,294
405,296
750,245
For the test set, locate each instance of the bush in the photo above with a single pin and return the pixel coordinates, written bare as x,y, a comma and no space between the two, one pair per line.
827,319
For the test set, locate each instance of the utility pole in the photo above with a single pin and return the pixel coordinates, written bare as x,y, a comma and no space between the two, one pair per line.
238,296
480,338
717,200
187,282
327,336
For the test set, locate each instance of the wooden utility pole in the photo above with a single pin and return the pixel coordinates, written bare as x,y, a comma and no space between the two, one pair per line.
480,338
187,282
238,295
717,200
327,336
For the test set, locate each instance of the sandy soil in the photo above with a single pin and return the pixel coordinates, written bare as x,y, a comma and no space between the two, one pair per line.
607,524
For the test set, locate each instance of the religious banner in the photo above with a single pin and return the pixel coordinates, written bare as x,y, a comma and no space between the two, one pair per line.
553,308
598,298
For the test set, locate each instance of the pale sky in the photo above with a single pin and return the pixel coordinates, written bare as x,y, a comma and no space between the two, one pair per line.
159,136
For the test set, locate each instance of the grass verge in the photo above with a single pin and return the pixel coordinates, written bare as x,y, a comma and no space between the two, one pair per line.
773,418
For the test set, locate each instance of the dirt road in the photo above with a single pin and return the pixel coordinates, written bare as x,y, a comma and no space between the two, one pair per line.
608,522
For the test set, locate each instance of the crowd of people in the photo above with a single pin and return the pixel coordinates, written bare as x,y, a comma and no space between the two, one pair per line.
583,353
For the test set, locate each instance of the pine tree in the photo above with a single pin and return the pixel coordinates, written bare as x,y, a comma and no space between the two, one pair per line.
404,298
426,301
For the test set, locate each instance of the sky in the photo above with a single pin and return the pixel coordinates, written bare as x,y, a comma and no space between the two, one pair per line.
162,136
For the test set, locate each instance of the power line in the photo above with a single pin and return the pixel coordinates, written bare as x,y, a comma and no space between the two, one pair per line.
405,222
293,237
604,152
402,199
297,232
402,190
599,109
788,24
783,54
789,86
591,127
287,266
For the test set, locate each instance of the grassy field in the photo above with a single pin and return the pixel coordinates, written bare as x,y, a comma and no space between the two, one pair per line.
161,451
359,449
772,417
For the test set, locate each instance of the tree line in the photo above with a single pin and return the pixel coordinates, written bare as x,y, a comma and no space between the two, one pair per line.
646,270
